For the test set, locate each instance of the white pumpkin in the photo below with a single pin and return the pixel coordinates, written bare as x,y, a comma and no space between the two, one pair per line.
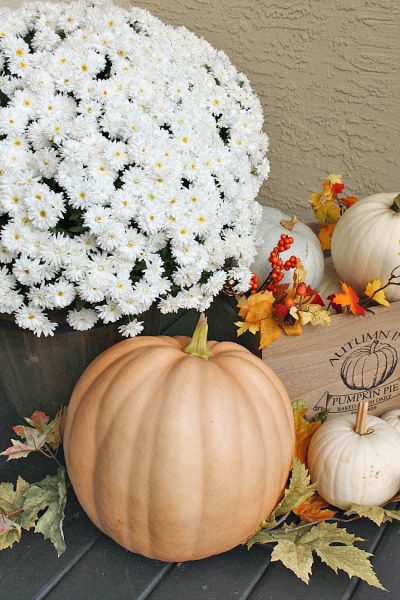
365,242
330,283
355,463
393,418
306,246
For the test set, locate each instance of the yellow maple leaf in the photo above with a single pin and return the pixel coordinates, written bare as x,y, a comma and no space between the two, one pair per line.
304,430
299,275
269,332
315,199
259,311
244,326
295,329
246,303
371,290
327,211
316,315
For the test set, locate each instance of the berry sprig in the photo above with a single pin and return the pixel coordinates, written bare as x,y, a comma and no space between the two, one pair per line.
278,266
271,284
254,284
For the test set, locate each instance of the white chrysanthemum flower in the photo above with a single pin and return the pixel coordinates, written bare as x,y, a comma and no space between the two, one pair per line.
27,271
119,183
109,312
132,329
60,294
83,319
29,317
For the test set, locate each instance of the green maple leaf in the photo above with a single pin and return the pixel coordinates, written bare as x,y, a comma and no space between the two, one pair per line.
10,532
300,488
295,548
49,498
11,501
7,498
377,514
295,557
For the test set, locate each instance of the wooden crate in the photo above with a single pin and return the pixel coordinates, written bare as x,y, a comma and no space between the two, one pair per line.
336,367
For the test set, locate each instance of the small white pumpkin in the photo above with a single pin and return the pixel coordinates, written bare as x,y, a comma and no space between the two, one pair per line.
365,242
306,246
393,418
330,283
355,460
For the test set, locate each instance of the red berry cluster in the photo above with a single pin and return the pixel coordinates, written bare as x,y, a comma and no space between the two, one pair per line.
278,266
254,284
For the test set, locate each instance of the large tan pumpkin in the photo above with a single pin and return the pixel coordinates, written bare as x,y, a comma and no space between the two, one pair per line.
177,456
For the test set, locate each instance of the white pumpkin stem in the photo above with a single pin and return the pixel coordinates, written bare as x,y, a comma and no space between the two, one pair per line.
289,225
396,204
361,419
198,345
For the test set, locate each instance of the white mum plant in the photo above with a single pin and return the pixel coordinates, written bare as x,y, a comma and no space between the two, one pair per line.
131,154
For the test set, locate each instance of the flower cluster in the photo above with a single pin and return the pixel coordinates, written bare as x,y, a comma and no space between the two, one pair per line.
274,307
329,205
130,157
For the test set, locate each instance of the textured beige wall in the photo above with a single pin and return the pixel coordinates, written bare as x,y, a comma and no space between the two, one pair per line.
328,74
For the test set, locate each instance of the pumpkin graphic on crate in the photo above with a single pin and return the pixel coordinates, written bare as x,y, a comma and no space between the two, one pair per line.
369,366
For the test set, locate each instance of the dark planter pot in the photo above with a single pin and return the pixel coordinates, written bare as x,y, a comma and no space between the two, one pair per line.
40,373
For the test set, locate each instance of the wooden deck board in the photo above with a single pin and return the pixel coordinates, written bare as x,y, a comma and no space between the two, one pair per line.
228,576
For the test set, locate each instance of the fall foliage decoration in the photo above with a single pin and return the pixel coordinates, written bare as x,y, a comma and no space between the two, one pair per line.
366,243
303,525
38,506
304,244
165,411
275,307
304,430
355,460
329,205
374,293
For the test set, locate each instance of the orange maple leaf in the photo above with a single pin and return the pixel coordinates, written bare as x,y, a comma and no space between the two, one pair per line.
325,236
314,509
349,201
350,299
304,430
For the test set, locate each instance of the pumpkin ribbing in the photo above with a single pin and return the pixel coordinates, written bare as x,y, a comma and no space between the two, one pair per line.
185,464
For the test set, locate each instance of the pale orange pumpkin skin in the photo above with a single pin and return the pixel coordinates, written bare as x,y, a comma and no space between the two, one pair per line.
176,457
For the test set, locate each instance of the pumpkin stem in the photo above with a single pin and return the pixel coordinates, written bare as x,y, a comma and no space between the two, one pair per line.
361,419
396,204
198,345
289,225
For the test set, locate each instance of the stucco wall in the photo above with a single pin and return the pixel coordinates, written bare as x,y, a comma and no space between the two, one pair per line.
328,74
